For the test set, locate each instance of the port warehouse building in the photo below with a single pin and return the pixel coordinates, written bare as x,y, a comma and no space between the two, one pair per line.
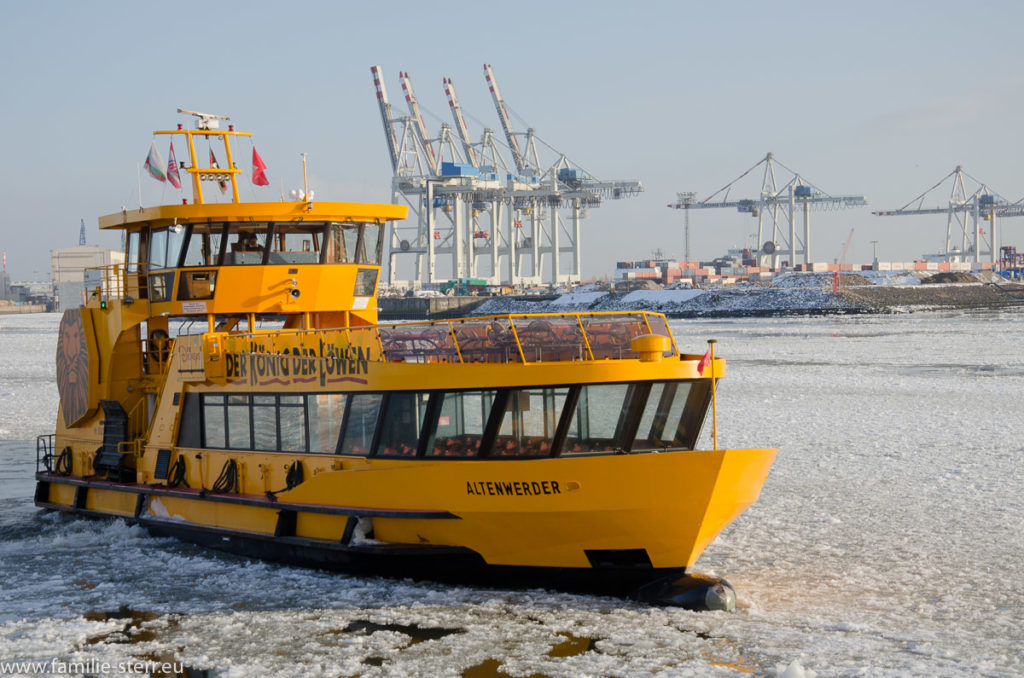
73,271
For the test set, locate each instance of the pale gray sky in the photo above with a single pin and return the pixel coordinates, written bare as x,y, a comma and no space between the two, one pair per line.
875,98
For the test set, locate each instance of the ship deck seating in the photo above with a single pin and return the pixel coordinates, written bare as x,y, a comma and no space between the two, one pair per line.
521,338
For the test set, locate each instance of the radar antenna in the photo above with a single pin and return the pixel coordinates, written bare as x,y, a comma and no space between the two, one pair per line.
205,121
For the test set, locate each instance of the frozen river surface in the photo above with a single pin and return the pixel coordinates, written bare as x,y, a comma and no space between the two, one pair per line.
887,540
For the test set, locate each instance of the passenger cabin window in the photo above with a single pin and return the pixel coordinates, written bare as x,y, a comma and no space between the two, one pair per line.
497,423
599,423
239,423
326,412
404,415
214,426
528,423
461,420
673,415
360,423
291,423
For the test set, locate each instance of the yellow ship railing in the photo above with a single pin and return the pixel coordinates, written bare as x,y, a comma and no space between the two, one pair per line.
108,284
520,338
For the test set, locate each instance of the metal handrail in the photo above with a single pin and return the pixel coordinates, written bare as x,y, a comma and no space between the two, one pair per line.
112,279
527,337
44,451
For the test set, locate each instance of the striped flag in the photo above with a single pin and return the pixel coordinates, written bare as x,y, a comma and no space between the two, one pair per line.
155,164
172,169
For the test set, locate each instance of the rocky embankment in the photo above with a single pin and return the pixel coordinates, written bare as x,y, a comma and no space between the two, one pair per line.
797,293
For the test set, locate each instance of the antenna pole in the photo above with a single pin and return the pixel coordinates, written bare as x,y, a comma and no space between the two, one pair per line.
714,399
305,184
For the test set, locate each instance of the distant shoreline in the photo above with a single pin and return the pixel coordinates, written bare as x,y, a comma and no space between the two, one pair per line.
805,295
20,309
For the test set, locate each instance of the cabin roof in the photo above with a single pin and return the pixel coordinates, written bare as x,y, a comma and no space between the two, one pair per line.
166,215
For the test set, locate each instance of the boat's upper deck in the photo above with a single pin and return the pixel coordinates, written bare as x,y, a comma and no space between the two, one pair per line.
524,338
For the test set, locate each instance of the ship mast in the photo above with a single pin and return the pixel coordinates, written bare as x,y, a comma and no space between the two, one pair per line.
207,125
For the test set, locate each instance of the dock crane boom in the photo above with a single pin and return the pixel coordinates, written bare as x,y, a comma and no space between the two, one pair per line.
418,124
460,122
386,116
506,124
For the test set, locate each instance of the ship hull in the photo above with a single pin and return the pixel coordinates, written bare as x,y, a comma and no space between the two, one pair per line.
601,524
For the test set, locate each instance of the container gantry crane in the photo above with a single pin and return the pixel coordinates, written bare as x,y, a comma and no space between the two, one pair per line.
517,201
967,211
777,206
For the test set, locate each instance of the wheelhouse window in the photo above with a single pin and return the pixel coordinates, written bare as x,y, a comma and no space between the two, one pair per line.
202,246
157,258
302,242
246,244
366,282
372,241
164,250
355,243
131,259
197,284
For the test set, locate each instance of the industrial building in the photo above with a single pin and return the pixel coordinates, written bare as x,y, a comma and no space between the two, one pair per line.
73,271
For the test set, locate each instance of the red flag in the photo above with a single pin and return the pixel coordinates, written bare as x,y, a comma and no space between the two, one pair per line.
213,165
704,362
172,169
259,170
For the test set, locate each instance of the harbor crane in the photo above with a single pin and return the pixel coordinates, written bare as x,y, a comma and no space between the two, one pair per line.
776,209
478,211
967,211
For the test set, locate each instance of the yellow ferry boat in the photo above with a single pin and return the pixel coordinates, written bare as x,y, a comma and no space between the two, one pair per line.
228,384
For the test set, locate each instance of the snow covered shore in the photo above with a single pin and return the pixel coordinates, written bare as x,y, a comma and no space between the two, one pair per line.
790,293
